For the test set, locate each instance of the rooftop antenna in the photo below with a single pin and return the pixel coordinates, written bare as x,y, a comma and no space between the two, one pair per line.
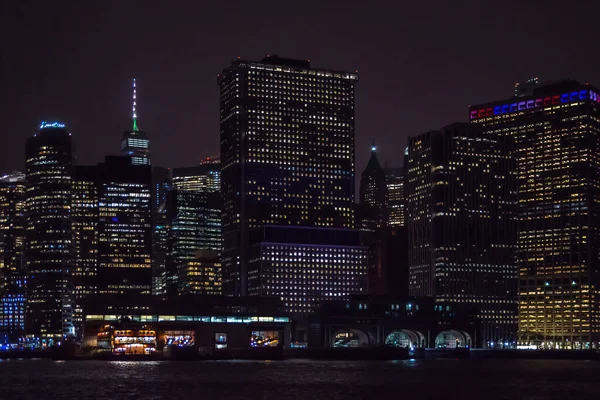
135,127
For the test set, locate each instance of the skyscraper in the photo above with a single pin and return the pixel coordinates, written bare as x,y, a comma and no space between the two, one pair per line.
193,215
48,234
84,226
371,219
461,225
124,227
287,157
396,202
374,194
556,129
12,260
135,143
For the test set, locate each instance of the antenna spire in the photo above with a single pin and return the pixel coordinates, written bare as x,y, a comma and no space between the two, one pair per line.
135,127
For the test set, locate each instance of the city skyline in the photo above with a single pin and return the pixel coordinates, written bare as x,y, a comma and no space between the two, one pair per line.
63,76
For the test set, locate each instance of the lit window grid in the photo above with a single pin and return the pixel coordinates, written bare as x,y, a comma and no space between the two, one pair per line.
303,275
555,231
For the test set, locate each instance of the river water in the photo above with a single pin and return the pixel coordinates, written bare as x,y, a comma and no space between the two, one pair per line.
300,379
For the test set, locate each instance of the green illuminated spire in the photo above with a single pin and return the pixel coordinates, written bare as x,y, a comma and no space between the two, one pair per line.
135,127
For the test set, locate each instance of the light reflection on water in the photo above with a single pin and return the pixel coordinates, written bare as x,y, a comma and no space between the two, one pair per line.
300,379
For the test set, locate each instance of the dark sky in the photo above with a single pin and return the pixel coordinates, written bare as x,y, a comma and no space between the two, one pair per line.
421,64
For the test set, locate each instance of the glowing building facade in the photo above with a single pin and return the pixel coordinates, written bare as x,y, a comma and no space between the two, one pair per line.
84,226
135,143
396,202
203,178
201,275
461,225
556,129
287,153
193,216
124,227
48,315
12,260
305,266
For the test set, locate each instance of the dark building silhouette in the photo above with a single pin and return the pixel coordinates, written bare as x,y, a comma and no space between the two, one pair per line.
48,234
556,129
135,143
461,225
371,219
373,194
287,157
12,260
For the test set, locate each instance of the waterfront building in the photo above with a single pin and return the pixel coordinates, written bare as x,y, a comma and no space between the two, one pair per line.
135,143
48,315
84,226
556,129
202,324
12,260
287,159
124,227
461,225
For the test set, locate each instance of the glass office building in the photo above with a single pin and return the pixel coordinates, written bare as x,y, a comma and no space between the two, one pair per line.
48,315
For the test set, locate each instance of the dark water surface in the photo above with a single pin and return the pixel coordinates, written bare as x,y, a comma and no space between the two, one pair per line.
299,379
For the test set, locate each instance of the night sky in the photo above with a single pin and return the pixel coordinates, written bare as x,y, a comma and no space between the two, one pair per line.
420,63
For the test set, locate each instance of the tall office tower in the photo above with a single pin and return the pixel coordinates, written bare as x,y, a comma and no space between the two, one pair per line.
135,143
396,202
556,129
48,234
124,227
461,225
287,154
374,193
12,261
371,219
201,275
84,225
193,216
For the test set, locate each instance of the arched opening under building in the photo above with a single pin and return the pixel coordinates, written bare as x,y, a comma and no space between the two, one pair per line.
351,338
405,338
452,339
